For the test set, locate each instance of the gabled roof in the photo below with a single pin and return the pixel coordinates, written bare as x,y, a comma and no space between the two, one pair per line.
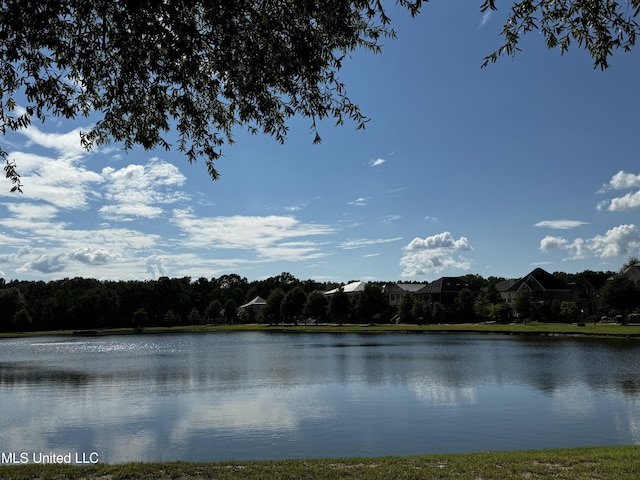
539,280
256,301
353,287
505,285
447,284
595,280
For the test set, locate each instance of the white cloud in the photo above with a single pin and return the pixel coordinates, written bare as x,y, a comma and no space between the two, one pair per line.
442,240
560,224
156,266
626,202
270,237
359,202
486,16
56,181
137,190
46,264
350,244
391,218
92,256
622,181
551,243
67,145
395,191
620,240
434,254
377,162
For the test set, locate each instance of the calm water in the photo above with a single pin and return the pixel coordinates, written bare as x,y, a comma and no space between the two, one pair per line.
266,396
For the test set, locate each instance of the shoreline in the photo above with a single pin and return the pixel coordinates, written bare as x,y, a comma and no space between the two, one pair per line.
535,329
619,462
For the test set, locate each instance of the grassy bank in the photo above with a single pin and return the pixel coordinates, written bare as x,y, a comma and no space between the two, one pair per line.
548,329
578,463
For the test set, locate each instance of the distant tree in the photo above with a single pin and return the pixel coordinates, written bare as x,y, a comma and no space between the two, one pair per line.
212,313
272,310
340,306
619,296
439,312
12,310
230,311
316,306
405,309
293,303
171,318
418,311
22,320
498,312
631,261
569,311
371,304
524,305
194,317
464,305
140,318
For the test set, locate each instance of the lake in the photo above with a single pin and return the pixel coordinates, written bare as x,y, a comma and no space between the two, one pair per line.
237,396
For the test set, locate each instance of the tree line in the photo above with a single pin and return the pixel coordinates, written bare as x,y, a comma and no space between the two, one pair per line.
84,303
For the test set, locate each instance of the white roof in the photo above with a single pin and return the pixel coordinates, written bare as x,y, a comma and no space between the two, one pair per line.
256,301
348,288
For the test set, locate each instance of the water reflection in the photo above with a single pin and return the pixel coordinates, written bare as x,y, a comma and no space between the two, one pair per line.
223,396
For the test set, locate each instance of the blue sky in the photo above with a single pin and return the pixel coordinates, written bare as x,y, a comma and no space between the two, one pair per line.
530,162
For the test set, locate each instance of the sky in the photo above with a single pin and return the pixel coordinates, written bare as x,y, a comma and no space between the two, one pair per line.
530,162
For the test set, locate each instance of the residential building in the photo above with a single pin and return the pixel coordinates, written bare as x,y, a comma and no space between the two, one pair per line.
586,292
254,306
349,288
395,291
544,287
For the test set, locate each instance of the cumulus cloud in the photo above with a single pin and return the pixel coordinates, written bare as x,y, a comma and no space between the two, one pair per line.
137,190
622,181
156,267
92,256
620,240
442,240
377,162
551,243
435,254
626,202
46,264
560,224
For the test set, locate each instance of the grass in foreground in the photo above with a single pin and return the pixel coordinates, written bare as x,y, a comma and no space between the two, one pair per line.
549,329
578,463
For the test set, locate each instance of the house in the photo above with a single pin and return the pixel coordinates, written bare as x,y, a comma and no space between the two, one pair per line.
349,289
632,272
445,290
586,292
544,287
395,291
254,306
